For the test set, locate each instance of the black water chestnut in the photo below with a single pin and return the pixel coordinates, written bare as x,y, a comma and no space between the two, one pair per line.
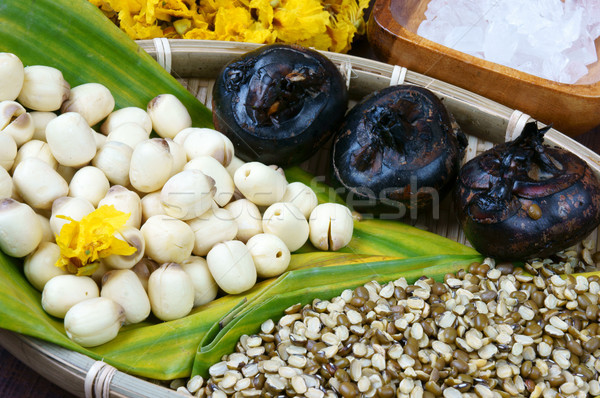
398,149
278,104
524,199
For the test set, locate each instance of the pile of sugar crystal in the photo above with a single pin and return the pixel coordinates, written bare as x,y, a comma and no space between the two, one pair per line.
546,38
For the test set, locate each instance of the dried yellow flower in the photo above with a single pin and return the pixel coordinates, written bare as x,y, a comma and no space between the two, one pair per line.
299,20
321,24
83,243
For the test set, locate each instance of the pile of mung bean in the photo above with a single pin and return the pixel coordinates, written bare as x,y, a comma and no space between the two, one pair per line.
490,331
572,260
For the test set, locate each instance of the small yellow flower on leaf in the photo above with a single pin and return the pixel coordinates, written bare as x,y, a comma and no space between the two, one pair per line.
83,243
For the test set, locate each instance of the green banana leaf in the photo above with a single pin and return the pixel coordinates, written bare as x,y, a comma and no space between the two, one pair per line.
168,350
76,38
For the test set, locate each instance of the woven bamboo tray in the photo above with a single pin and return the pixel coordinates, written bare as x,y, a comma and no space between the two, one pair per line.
195,64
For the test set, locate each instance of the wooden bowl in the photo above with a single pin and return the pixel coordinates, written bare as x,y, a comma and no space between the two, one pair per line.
572,108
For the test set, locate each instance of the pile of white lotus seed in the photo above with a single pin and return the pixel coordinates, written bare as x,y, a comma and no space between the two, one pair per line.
202,220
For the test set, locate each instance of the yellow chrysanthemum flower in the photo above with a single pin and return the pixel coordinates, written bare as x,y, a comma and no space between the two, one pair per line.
321,24
263,11
83,243
348,22
298,20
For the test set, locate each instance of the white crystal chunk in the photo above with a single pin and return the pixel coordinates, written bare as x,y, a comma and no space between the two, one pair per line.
552,39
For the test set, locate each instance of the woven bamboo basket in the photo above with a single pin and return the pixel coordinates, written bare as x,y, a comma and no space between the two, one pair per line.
195,64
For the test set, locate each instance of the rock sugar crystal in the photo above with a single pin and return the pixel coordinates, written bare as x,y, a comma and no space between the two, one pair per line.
547,38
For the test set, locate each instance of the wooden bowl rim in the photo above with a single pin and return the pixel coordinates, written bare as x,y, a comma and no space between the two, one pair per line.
381,13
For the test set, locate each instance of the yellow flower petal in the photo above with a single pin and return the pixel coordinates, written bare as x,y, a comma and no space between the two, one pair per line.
298,20
321,41
84,242
264,12
325,24
200,34
231,23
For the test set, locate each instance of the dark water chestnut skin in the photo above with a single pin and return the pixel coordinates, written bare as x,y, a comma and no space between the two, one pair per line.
278,104
498,189
394,149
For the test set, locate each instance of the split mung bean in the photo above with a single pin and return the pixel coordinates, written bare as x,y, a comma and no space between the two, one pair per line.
461,337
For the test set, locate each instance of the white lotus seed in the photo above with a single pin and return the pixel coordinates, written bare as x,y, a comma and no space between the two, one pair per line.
8,151
64,291
151,206
44,88
205,287
89,183
124,287
15,121
270,254
212,168
93,101
214,226
99,272
35,149
207,142
71,140
38,183
94,322
133,237
40,121
114,159
260,184
6,184
20,230
12,75
151,165
47,234
169,116
248,218
302,196
287,222
331,226
126,201
232,267
39,267
167,239
179,156
144,269
66,172
100,140
182,135
187,194
74,208
121,116
235,164
171,292
129,133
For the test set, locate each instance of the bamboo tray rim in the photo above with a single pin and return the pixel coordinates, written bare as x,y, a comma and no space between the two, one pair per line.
376,72
71,370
